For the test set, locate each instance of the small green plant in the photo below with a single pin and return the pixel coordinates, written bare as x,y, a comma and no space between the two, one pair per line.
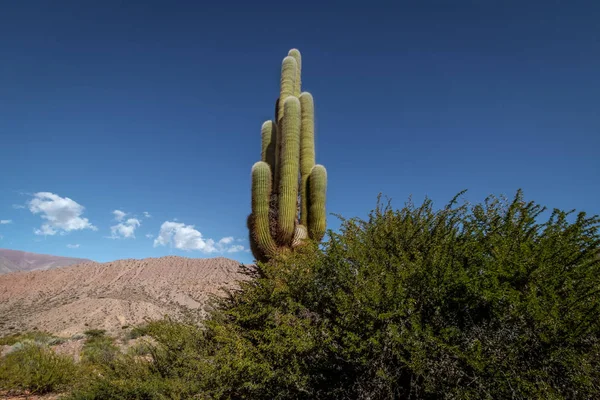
94,333
99,349
140,349
34,336
37,369
137,331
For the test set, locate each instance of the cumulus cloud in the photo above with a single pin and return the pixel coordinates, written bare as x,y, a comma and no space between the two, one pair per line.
125,229
119,215
186,237
5,221
149,235
61,214
147,214
18,206
183,237
235,248
226,240
73,246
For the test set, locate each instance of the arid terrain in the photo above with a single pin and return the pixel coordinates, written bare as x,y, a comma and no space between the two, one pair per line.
15,260
69,300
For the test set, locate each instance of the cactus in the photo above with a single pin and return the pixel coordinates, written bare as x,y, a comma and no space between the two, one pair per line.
307,150
288,189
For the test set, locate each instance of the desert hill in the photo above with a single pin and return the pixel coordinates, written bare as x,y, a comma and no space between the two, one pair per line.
109,296
15,260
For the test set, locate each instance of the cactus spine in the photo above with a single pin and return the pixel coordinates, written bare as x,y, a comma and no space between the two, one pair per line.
288,189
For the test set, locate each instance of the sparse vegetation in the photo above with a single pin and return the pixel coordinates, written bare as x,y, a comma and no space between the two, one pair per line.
37,369
138,331
32,336
94,333
99,349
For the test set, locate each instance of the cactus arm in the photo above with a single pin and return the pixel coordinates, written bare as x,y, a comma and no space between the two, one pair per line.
298,83
289,68
290,169
269,143
307,150
317,188
261,193
256,251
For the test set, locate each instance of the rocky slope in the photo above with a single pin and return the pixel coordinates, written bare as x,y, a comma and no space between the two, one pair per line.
109,296
15,260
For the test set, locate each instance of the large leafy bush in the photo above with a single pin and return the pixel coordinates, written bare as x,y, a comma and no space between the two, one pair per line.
467,302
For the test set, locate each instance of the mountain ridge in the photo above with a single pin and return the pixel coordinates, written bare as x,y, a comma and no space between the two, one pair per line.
111,295
23,261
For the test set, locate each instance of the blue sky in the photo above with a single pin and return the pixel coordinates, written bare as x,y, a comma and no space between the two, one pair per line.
156,107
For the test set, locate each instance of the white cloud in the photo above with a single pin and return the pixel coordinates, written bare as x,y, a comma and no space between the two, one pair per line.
46,230
124,229
73,246
119,215
62,214
183,237
149,235
235,248
18,206
223,245
186,237
5,221
226,240
147,214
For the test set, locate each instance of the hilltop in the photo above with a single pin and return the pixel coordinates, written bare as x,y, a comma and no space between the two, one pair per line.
112,295
15,261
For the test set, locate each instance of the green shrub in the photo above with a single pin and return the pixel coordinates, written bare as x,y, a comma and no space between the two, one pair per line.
137,331
99,349
140,349
94,333
37,369
130,377
34,336
467,302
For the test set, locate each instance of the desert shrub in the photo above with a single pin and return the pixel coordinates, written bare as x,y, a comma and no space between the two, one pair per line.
140,349
33,336
99,349
94,333
37,369
137,331
466,302
18,346
130,377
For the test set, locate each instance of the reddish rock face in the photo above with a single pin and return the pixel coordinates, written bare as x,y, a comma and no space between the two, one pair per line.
109,296
15,261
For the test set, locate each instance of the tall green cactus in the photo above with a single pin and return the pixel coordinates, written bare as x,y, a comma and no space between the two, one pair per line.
288,189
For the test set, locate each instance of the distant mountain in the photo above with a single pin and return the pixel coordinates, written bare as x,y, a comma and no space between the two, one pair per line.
15,261
112,295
